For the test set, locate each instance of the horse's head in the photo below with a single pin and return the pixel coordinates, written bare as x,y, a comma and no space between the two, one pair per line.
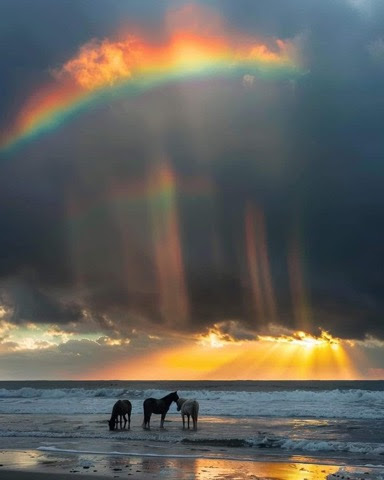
111,424
175,397
180,402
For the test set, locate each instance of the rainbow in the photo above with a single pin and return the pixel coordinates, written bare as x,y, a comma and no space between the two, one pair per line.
104,71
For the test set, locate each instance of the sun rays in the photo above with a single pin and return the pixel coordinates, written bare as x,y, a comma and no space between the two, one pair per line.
216,356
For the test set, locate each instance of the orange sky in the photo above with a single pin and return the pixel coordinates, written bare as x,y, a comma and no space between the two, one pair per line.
215,355
268,358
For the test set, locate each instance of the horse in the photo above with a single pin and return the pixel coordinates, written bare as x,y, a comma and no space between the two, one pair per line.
189,408
119,410
158,406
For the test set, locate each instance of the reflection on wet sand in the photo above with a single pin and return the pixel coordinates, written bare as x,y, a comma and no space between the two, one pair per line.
20,459
170,468
211,469
207,470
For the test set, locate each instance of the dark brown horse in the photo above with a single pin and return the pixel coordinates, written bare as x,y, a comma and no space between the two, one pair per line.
158,406
119,410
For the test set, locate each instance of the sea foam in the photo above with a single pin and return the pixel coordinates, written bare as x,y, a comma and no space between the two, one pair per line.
338,404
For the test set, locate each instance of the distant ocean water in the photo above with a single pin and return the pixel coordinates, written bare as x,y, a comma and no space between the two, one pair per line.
320,419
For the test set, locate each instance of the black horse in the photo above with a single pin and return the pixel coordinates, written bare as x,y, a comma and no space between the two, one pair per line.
119,410
159,406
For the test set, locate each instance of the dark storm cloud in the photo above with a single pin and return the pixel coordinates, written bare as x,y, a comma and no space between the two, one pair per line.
36,37
27,303
308,155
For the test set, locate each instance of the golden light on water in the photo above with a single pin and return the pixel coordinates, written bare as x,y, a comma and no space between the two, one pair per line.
211,469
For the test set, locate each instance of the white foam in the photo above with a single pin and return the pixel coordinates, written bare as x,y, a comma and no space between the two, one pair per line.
331,446
141,454
339,404
259,441
114,453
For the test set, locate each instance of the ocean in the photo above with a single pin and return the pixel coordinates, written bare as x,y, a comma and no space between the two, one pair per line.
308,421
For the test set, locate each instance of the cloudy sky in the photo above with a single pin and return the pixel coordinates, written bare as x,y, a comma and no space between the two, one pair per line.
186,186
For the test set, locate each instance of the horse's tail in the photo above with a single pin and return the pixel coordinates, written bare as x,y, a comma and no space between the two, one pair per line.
129,413
195,410
147,412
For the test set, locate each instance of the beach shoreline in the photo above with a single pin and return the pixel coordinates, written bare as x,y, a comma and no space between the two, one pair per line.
302,432
46,465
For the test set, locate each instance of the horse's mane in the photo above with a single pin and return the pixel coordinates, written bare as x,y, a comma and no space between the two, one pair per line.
167,397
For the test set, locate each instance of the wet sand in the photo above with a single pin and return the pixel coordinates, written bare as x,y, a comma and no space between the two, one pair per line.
35,465
186,469
25,475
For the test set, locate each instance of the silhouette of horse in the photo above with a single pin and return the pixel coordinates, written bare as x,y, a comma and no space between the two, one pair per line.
158,406
119,410
189,408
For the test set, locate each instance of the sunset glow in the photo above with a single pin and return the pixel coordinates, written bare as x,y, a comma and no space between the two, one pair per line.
192,239
217,357
171,198
303,339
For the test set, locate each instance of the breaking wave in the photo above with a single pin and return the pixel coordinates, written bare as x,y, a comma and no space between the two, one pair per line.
341,404
292,445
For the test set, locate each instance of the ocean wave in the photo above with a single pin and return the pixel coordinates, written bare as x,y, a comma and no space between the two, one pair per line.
293,445
338,404
116,453
58,393
332,446
260,441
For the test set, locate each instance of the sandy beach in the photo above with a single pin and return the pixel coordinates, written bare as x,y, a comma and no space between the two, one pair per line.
36,465
298,433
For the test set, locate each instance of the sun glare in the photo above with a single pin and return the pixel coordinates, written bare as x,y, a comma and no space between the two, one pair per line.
303,339
218,356
212,339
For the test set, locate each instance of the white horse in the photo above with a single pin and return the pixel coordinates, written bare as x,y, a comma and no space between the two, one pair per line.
189,408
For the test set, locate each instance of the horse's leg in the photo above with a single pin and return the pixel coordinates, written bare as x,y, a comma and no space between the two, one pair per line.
121,422
125,420
162,420
147,420
194,418
188,415
129,421
183,417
